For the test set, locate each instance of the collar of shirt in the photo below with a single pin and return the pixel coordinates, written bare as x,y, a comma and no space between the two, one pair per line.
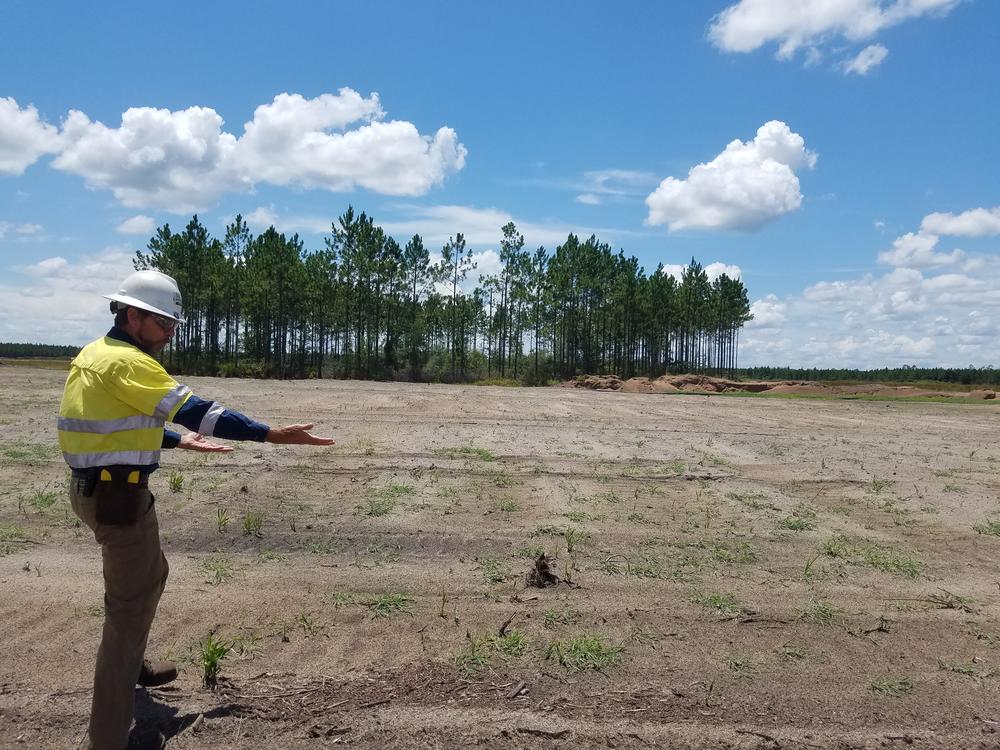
118,334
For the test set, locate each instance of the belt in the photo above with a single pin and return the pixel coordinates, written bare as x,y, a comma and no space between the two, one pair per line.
94,473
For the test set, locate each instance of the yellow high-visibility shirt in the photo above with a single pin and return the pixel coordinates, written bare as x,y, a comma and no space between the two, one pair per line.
116,401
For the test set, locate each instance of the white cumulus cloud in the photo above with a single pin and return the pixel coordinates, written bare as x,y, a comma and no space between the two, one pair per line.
138,224
24,137
712,270
868,58
297,141
931,308
808,24
176,161
916,250
768,312
481,226
978,222
58,300
182,161
749,184
25,229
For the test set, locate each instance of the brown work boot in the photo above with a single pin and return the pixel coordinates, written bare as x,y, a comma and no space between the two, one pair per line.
156,673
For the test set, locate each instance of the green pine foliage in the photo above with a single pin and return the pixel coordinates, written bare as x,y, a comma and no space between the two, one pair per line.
364,307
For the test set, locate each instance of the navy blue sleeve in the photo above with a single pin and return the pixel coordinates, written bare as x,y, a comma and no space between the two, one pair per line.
170,439
211,419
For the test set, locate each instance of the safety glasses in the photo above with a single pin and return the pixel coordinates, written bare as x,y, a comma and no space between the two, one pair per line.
167,324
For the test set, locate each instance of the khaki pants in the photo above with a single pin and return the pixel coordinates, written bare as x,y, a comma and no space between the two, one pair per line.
135,572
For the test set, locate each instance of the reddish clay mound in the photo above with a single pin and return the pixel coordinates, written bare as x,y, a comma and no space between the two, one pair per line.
595,382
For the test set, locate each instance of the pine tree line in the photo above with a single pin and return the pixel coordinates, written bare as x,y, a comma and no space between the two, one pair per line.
365,307
37,350
970,375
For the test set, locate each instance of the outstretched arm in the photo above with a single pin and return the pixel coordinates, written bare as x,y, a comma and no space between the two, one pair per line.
193,441
296,434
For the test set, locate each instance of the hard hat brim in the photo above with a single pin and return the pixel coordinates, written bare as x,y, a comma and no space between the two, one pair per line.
133,302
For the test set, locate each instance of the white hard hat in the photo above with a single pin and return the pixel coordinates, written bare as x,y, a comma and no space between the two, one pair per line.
152,291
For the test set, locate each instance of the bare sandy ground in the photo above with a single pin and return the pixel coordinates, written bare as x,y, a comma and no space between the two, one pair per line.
770,573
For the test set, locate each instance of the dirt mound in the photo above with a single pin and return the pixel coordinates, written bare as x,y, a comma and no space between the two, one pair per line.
595,382
705,384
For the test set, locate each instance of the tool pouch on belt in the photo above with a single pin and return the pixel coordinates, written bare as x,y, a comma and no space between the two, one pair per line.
117,495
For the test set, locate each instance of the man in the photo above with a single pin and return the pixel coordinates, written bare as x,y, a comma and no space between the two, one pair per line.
111,429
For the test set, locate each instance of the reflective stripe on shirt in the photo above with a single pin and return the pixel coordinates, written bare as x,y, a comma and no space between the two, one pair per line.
111,458
168,402
107,426
207,426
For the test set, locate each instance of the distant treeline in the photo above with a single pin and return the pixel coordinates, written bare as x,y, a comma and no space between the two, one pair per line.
37,350
365,307
904,374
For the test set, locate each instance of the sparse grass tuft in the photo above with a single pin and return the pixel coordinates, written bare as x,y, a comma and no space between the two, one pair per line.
754,500
990,527
514,643
253,524
565,616
10,532
741,665
378,506
547,531
873,555
464,451
213,651
878,485
573,537
175,481
28,453
246,646
42,499
309,623
948,600
476,657
724,604
968,669
639,567
508,506
893,686
222,520
323,547
492,570
389,605
585,651
341,599
219,569
530,551
732,552
818,613
793,523
12,539
790,652
396,491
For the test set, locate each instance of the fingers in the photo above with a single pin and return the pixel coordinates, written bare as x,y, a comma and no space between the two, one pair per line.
296,434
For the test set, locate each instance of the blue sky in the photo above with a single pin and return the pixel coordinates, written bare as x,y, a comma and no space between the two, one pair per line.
840,155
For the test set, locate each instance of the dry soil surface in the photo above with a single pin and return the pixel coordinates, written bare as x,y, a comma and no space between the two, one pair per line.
734,573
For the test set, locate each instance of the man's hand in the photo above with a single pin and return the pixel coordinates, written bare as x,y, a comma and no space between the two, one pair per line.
296,434
194,441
